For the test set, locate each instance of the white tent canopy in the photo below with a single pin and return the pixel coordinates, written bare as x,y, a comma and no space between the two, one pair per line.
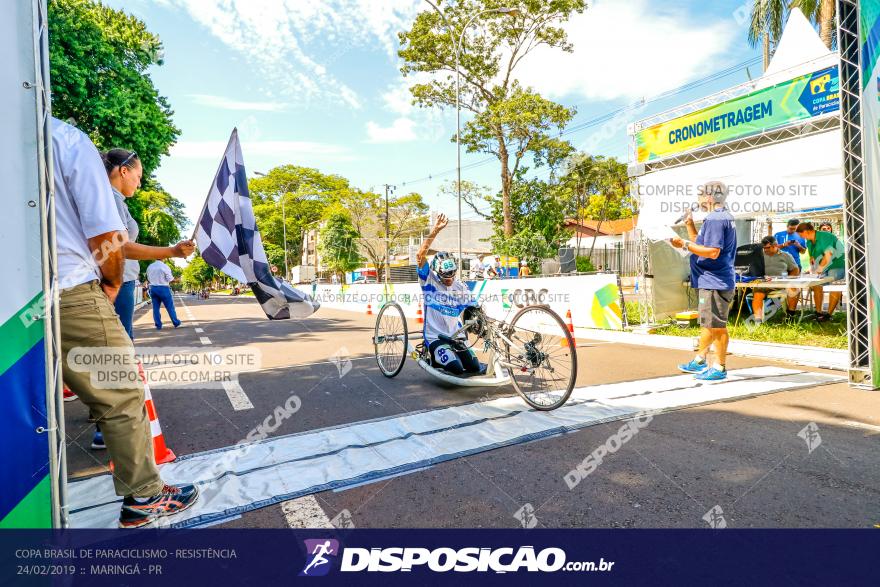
798,45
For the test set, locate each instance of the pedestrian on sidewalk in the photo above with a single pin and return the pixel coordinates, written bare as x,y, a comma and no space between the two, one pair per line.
160,277
713,251
89,250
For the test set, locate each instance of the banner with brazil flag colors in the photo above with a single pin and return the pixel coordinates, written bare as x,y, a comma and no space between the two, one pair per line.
790,101
869,51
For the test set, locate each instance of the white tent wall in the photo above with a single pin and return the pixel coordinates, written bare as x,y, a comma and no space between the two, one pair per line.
766,181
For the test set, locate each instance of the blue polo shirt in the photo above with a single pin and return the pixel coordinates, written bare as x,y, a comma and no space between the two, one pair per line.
718,232
783,237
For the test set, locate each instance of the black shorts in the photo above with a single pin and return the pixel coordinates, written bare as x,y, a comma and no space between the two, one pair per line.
714,307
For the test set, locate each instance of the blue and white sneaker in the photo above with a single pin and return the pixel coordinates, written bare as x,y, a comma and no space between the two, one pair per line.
98,441
712,374
693,367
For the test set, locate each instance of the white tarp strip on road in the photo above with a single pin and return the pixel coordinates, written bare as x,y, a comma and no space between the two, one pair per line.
238,479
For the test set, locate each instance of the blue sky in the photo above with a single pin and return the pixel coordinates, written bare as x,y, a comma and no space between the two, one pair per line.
317,83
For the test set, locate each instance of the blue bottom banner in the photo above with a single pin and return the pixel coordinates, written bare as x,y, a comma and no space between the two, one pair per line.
365,557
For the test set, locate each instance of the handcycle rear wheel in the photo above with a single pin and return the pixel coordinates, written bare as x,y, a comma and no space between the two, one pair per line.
544,357
391,339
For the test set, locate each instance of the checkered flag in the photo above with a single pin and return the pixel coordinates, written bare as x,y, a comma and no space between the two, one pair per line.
228,239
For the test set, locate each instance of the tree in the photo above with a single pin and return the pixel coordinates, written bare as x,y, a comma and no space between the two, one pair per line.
767,21
306,194
275,255
407,216
99,58
821,12
536,207
598,189
509,121
159,215
528,244
197,274
338,244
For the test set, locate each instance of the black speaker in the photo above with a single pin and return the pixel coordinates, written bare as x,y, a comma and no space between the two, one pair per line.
567,262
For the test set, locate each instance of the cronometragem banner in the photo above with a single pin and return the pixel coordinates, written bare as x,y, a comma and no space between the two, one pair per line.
774,107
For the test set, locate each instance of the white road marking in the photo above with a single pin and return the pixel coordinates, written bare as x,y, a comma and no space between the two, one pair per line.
237,397
305,512
204,340
199,330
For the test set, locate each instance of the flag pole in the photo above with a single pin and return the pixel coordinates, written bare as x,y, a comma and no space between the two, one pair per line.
233,135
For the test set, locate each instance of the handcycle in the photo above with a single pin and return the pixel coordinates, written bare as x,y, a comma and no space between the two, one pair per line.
534,351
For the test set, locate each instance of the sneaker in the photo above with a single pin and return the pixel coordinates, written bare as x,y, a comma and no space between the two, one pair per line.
693,367
98,441
137,512
711,374
69,396
823,317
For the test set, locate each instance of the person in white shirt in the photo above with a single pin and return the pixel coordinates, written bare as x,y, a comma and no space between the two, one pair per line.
90,237
160,277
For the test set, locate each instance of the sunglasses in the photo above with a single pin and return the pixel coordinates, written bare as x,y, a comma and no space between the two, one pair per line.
128,159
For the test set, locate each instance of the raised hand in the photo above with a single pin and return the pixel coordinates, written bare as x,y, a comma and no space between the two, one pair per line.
440,223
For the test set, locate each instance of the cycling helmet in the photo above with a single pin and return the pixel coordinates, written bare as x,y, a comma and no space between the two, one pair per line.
444,265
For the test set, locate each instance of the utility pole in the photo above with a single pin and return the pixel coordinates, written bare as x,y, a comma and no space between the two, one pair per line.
388,189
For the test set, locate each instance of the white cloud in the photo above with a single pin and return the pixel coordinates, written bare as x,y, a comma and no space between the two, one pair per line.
223,103
432,123
401,131
628,49
277,149
294,43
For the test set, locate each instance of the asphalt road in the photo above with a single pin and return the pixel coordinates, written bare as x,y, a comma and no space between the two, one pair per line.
744,456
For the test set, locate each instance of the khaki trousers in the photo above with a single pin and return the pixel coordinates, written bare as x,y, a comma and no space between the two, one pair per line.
91,329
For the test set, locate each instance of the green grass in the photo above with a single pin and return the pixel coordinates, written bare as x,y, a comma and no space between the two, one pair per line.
830,335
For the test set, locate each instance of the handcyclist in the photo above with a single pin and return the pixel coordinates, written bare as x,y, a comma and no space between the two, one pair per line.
445,300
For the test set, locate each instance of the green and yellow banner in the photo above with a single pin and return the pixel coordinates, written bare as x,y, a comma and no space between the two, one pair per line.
774,107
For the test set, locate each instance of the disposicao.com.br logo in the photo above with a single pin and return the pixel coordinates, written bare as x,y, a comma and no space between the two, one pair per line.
468,559
319,553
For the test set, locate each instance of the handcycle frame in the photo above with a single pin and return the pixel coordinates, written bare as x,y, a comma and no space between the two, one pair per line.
496,371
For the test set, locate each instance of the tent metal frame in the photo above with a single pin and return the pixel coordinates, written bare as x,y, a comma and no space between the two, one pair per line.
50,314
854,208
854,203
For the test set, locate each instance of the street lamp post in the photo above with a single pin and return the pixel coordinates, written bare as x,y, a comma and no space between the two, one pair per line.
283,228
458,44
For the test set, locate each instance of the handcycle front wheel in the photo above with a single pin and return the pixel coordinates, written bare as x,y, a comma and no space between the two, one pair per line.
391,339
543,359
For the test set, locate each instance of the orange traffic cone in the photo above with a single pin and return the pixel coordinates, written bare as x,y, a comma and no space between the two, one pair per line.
419,318
570,325
369,310
161,452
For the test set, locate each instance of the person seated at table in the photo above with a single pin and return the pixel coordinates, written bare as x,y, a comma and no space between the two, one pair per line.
790,241
827,258
776,263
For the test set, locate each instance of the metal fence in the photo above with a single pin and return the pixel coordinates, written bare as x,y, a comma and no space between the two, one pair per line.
622,258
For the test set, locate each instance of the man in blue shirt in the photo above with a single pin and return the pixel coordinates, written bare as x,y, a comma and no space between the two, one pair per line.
712,250
790,241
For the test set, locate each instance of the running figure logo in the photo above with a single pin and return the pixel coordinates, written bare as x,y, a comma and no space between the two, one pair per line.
317,553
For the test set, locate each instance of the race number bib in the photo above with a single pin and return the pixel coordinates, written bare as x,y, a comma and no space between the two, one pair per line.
444,355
